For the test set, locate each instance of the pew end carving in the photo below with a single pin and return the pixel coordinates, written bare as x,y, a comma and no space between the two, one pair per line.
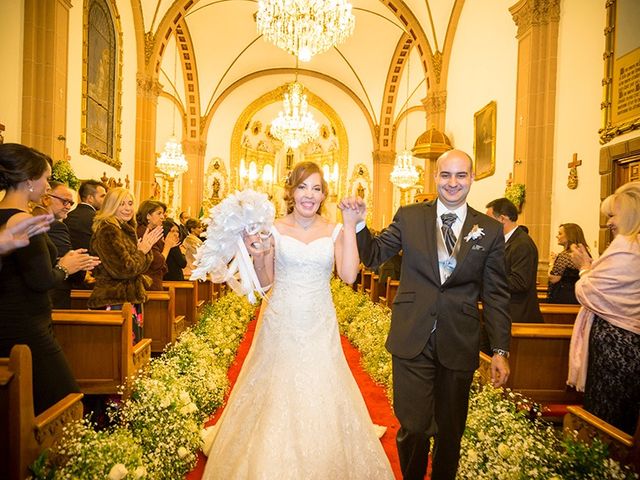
24,436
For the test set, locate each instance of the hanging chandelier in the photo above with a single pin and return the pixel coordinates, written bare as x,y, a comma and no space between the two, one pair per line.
305,27
171,160
404,174
294,125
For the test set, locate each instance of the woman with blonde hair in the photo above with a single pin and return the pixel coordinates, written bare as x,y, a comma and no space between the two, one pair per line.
120,277
605,345
296,411
563,274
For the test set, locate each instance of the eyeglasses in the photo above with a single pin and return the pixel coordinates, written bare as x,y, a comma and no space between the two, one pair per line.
65,202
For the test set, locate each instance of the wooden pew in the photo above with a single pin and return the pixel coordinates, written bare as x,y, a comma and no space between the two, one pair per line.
98,347
366,280
539,362
206,292
23,436
161,324
186,298
375,288
555,313
390,292
622,446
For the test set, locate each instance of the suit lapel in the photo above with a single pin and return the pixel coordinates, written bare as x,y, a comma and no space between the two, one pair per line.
431,230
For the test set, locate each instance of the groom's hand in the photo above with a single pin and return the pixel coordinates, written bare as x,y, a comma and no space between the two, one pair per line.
499,370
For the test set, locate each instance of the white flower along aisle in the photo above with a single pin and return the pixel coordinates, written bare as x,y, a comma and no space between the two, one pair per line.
159,430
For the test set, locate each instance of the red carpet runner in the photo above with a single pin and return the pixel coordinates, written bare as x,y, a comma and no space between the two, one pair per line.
374,397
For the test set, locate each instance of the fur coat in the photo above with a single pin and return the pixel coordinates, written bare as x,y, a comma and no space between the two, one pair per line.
120,276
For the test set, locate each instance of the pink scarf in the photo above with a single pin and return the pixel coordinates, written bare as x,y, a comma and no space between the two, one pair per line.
610,290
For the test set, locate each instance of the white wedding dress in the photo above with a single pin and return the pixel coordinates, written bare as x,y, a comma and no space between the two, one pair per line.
295,411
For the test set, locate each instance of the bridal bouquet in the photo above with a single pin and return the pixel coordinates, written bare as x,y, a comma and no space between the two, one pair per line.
223,256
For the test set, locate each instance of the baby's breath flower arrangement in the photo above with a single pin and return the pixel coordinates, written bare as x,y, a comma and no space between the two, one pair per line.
157,429
502,440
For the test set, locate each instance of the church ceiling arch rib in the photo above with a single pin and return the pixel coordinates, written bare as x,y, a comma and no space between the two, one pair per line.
188,63
287,71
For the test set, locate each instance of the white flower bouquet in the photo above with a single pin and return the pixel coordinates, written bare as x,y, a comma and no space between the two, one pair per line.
223,256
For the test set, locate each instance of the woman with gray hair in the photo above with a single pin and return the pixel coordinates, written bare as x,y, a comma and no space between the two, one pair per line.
604,358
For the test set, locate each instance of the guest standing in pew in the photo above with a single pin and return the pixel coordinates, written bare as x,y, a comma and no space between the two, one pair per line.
80,219
58,201
604,357
521,263
29,273
151,214
563,273
125,258
191,244
452,256
175,259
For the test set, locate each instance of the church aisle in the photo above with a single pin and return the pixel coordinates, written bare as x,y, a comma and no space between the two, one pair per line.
374,396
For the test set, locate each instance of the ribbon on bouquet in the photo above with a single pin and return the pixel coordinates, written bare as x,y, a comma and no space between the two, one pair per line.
248,283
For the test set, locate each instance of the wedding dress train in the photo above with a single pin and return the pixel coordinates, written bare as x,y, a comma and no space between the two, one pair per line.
296,412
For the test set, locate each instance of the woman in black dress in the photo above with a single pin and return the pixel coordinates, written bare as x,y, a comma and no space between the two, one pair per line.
176,260
563,274
29,273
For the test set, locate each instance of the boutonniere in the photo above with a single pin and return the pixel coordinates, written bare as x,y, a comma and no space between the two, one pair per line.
475,233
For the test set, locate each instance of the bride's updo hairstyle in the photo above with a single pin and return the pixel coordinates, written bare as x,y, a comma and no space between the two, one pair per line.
299,174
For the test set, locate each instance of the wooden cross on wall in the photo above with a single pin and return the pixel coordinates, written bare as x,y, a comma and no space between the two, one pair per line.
572,182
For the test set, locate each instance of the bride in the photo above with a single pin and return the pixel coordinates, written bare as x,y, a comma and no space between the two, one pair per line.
296,411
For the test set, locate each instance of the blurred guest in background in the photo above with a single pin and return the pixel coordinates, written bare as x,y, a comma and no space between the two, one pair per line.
563,273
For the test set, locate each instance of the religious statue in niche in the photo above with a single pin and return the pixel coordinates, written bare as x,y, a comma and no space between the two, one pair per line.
216,188
360,191
256,127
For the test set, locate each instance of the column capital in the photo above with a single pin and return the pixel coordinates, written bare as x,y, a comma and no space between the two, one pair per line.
435,102
194,147
528,13
384,156
148,86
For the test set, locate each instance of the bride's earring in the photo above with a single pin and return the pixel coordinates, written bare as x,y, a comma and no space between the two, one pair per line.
31,188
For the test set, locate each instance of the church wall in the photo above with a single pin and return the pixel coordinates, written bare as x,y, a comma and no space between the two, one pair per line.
83,165
11,37
578,117
482,69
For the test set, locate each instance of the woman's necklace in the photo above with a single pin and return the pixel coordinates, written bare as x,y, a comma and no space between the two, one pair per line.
305,226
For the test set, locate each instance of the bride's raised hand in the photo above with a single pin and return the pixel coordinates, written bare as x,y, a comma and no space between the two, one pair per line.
354,210
258,244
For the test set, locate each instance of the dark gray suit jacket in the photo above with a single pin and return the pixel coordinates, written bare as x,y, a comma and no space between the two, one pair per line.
421,299
521,256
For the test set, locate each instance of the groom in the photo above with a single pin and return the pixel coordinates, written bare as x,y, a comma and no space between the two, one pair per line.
453,256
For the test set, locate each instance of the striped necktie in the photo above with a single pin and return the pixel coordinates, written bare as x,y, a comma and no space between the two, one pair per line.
447,232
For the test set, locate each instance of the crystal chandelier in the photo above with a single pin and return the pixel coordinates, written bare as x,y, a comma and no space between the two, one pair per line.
305,27
404,174
294,125
171,160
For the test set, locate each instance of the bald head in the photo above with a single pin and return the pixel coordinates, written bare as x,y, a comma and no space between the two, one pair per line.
454,154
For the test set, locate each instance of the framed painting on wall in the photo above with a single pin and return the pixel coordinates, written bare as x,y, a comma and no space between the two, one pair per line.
621,102
101,83
484,141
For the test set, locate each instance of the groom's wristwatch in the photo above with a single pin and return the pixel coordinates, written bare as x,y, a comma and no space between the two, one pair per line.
501,352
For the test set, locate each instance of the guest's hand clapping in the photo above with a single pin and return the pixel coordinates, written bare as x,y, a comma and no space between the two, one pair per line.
354,210
76,260
580,256
172,240
149,239
18,235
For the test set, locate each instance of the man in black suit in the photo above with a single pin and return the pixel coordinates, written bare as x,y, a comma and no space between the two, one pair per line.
521,262
58,201
80,220
452,257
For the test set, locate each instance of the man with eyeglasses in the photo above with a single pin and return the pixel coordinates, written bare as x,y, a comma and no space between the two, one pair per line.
59,200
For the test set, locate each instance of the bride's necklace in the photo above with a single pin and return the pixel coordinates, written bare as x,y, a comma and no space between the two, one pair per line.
305,226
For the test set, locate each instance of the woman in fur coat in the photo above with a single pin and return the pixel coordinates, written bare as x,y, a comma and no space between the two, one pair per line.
125,258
